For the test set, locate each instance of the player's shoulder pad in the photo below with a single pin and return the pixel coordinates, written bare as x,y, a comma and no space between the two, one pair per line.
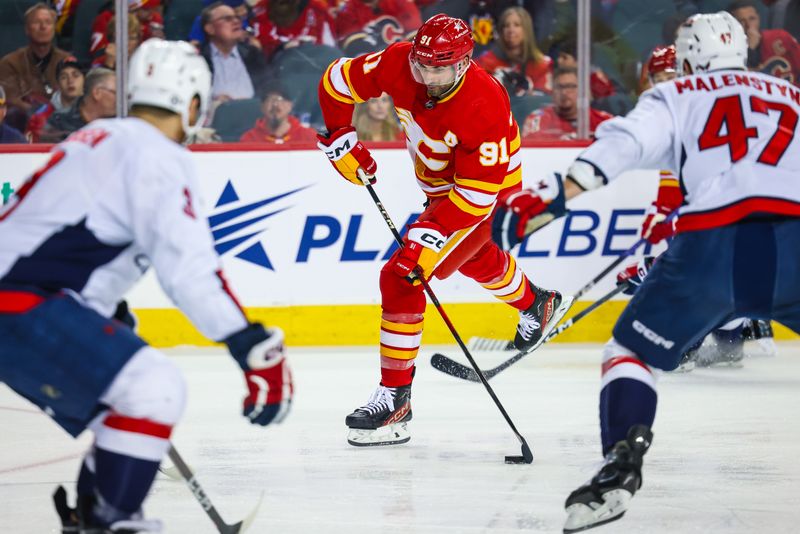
488,99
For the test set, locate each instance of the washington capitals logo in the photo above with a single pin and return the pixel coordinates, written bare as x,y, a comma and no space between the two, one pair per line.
228,237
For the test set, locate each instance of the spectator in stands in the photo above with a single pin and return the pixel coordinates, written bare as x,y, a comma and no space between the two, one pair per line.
146,12
288,23
241,8
371,25
278,125
98,101
773,52
29,73
515,59
607,94
559,120
238,69
70,88
108,56
374,120
7,133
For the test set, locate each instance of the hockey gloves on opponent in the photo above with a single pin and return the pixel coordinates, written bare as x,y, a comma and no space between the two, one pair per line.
633,275
349,156
261,355
522,213
421,248
657,226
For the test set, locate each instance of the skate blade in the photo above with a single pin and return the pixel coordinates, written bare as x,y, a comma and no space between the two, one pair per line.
760,348
581,517
394,434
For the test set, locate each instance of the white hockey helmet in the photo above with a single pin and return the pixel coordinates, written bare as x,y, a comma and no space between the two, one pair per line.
168,75
711,41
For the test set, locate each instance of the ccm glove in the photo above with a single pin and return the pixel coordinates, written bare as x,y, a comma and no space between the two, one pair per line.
525,212
349,156
261,354
421,248
634,274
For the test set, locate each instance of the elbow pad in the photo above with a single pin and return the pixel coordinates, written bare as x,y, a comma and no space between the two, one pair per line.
586,175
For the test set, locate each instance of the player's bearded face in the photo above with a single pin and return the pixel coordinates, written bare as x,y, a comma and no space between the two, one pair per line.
439,79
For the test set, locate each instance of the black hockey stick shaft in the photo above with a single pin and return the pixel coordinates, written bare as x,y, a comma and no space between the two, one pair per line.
203,498
611,266
453,368
526,450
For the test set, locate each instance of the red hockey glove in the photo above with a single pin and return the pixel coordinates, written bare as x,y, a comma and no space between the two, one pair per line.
656,227
261,355
421,248
349,156
634,274
527,211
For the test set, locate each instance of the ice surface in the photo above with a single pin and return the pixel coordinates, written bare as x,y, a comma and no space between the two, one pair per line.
724,458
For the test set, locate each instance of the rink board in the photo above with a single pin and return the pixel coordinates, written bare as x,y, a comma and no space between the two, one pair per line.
302,248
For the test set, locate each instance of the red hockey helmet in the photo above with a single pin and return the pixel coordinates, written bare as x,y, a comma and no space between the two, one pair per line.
442,41
441,52
662,60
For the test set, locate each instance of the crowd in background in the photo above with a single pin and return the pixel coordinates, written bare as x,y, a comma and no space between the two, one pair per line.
58,58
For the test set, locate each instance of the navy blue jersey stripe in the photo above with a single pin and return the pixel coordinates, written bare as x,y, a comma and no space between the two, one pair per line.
65,260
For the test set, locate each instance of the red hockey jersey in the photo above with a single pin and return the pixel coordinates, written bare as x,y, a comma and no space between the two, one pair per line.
465,146
780,55
313,25
545,124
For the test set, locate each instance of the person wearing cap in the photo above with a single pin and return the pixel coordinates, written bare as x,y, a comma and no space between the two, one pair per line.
70,79
278,125
29,73
7,133
98,101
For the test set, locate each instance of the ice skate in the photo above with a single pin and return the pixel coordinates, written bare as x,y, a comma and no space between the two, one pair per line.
383,420
721,348
81,520
538,320
759,339
606,496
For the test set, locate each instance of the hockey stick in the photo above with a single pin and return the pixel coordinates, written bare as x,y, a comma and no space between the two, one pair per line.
453,368
491,344
527,455
205,501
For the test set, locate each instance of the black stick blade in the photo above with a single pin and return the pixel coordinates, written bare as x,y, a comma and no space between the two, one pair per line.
442,363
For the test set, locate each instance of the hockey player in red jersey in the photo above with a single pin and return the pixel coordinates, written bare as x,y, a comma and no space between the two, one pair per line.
465,146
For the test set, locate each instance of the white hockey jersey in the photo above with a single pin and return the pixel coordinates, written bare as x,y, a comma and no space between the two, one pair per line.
730,136
116,197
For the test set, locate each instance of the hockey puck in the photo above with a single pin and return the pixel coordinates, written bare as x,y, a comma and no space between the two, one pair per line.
516,460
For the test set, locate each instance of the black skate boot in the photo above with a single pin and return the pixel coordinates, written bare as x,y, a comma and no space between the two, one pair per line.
67,514
605,498
382,421
87,510
538,320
